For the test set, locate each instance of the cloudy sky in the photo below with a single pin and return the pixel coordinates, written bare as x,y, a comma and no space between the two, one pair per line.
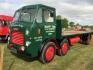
80,11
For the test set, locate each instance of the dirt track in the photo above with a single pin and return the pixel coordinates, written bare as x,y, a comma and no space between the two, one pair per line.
1,57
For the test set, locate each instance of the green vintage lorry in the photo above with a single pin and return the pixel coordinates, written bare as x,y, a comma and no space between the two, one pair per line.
35,32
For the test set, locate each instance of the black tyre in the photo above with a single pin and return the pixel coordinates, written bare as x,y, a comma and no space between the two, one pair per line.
85,39
64,46
48,52
87,42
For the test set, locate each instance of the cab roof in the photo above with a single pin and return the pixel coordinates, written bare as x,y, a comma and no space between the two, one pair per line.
37,6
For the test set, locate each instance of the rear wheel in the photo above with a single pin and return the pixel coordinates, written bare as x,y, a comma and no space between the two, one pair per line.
63,48
48,52
88,40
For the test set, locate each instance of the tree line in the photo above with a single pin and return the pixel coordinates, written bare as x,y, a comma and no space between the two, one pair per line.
66,23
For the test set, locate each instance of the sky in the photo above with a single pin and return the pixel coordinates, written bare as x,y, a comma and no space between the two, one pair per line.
79,11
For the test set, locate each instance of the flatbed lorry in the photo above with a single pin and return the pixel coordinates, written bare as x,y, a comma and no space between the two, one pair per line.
35,32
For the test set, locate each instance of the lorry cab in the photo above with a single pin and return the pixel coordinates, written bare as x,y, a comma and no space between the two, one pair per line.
31,26
5,22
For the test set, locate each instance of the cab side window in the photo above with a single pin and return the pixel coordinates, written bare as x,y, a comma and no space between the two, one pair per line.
39,16
48,16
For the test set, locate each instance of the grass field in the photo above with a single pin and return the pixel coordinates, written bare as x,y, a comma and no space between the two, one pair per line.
79,57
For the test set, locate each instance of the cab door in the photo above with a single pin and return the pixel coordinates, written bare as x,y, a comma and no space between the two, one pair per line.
49,23
39,27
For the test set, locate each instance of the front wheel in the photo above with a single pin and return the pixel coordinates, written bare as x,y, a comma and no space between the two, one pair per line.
48,52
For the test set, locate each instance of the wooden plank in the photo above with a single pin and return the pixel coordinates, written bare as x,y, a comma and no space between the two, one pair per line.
65,33
1,57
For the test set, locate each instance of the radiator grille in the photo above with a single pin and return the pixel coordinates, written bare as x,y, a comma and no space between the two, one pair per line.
17,38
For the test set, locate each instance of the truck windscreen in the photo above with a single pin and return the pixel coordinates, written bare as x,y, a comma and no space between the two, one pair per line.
25,15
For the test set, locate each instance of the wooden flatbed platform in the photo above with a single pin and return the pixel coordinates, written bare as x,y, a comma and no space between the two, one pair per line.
74,33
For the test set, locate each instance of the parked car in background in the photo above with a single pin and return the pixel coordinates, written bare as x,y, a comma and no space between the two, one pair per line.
5,22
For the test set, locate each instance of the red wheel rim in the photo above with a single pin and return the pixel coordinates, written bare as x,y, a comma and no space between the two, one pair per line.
64,48
49,53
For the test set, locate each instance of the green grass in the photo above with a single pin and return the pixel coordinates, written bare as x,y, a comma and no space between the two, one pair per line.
78,58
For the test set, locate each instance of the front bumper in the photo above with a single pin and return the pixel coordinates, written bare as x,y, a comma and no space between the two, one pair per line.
3,38
17,51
